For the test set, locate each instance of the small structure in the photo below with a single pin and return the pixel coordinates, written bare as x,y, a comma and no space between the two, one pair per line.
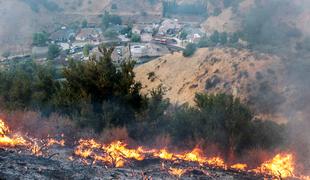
64,46
89,34
62,35
194,38
138,50
169,27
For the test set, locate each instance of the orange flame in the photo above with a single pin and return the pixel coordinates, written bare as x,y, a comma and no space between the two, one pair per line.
177,171
282,165
6,141
118,154
239,167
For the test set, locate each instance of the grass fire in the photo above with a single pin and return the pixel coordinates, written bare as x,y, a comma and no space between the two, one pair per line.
119,155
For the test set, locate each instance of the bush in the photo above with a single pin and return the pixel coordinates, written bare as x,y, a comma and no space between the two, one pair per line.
86,50
135,38
215,37
39,39
27,85
110,33
189,50
183,35
204,42
108,19
84,23
53,51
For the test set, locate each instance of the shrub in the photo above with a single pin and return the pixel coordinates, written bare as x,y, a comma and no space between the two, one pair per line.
135,38
39,39
53,51
189,50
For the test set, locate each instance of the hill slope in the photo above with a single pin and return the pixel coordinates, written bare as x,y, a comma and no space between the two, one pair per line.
254,78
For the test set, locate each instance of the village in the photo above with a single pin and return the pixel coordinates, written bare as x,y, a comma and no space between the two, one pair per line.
140,41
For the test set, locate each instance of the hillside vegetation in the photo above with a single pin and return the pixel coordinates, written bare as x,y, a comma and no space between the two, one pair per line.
253,77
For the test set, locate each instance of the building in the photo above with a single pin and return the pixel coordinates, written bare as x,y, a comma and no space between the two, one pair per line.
169,27
62,35
89,34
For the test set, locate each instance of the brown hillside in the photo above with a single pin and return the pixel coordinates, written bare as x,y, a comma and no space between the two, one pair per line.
255,78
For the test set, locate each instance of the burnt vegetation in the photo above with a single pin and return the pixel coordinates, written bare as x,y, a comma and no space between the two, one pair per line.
99,95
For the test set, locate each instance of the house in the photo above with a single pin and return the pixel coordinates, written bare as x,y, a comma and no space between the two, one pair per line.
194,38
62,35
169,27
89,34
137,29
144,28
194,34
138,50
64,46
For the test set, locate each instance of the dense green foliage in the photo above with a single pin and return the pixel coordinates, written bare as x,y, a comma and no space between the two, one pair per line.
109,19
39,39
86,50
135,38
189,50
53,51
27,85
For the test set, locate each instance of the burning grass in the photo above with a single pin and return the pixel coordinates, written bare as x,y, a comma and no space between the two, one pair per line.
118,154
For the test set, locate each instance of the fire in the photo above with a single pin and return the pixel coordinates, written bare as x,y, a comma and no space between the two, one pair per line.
35,146
52,141
115,154
194,156
239,167
164,154
177,171
282,165
6,140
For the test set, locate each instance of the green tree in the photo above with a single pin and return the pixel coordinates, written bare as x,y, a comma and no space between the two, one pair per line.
101,84
86,50
84,23
135,38
189,50
108,19
28,85
234,38
204,42
110,33
53,51
223,38
183,35
215,37
225,119
39,39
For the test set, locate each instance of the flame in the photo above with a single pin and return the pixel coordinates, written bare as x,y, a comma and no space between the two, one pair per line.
117,154
6,140
52,141
164,154
11,140
239,167
282,165
177,171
